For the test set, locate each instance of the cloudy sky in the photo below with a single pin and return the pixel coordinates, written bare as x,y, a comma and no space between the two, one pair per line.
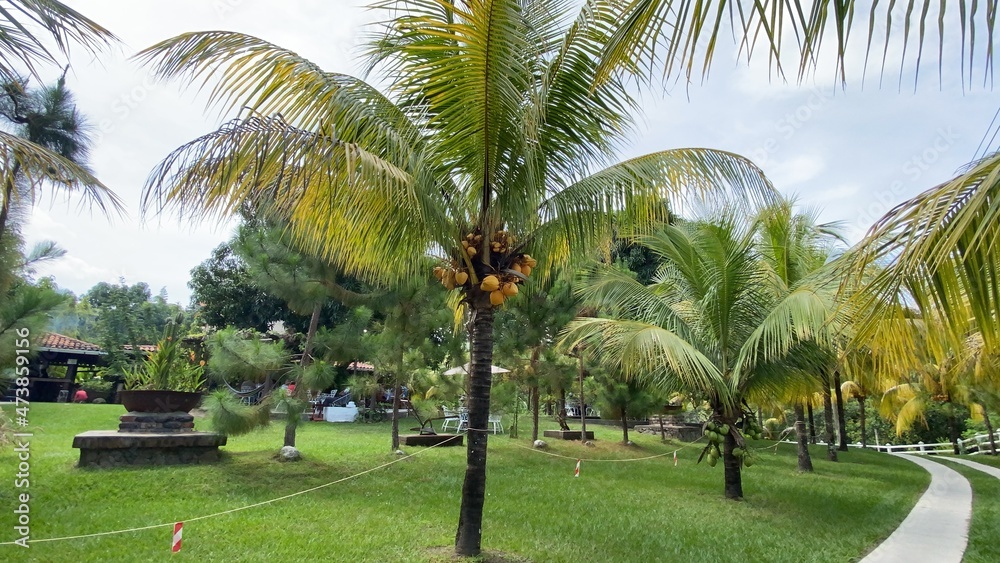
851,153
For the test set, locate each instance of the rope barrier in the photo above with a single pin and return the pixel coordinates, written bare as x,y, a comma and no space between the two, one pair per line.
553,454
238,509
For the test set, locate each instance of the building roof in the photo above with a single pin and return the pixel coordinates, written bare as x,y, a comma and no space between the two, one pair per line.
52,342
360,366
150,348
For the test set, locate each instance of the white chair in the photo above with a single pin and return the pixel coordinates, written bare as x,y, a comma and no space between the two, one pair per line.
496,426
451,418
463,420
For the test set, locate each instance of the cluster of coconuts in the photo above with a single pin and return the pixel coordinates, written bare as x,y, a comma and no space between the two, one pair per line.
716,435
499,285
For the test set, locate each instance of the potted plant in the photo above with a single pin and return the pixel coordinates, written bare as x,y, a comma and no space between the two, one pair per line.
167,381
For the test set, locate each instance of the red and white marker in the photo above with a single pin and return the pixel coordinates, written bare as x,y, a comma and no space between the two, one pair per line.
675,458
178,532
576,473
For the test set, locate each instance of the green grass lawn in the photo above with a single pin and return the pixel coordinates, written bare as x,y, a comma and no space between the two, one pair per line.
535,508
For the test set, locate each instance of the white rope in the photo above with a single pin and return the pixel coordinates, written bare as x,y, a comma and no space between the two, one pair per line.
553,454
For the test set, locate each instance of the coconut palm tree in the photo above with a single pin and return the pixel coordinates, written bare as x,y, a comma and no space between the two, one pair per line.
491,131
711,324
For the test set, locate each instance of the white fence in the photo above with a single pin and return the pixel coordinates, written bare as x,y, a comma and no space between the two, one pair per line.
973,446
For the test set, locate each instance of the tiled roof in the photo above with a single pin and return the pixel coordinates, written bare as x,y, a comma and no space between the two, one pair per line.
60,342
150,348
360,366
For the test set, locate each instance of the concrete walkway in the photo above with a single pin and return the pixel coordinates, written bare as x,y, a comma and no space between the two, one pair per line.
937,529
980,466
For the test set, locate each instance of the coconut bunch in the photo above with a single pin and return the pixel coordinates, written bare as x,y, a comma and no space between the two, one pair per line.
505,270
716,435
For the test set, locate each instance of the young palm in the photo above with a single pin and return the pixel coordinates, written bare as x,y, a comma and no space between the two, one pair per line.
711,324
491,130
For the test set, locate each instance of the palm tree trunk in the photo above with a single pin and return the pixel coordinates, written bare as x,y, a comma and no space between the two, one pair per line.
812,423
841,418
831,446
624,427
862,422
989,429
292,425
583,407
731,463
805,461
533,394
470,519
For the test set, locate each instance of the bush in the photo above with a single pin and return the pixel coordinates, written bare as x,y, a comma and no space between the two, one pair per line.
96,386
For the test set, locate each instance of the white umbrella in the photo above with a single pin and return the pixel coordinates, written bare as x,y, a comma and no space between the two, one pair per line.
465,369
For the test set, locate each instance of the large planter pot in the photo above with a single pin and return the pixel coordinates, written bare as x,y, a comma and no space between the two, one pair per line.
159,401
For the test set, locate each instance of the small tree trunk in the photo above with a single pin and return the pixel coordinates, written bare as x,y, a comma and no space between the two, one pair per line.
533,393
831,446
624,427
8,193
805,461
396,391
513,426
583,408
663,430
812,423
841,417
734,481
989,429
862,421
534,413
291,426
561,410
468,538
953,430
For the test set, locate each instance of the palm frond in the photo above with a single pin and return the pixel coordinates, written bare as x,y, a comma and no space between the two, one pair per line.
638,349
28,26
684,36
36,165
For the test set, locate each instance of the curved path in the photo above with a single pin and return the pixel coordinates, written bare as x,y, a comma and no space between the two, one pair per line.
980,466
937,529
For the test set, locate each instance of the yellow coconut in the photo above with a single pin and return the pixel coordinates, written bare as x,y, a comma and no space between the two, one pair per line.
465,244
516,267
461,278
496,297
526,270
439,272
471,250
510,289
490,283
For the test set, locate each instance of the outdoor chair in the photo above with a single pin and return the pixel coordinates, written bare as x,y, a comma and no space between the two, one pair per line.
496,426
451,418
